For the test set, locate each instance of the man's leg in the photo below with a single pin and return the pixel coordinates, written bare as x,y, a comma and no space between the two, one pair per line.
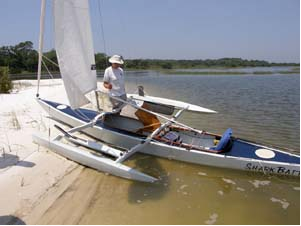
117,104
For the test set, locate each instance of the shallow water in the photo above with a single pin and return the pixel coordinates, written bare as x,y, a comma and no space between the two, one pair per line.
263,108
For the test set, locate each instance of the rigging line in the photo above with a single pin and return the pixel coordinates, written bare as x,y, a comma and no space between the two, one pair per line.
47,69
102,32
51,61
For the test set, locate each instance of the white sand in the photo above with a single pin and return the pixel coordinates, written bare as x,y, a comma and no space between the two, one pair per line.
28,172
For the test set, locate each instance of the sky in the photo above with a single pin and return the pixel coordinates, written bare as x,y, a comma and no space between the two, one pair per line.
172,29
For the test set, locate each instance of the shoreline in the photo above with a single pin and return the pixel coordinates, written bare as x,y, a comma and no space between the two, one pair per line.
32,177
179,71
41,187
229,73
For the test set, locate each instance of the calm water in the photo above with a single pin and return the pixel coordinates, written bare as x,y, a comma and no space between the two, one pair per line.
261,108
250,70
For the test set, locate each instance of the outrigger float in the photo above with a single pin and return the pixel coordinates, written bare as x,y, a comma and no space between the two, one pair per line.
116,137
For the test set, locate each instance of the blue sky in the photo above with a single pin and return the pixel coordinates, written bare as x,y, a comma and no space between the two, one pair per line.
174,29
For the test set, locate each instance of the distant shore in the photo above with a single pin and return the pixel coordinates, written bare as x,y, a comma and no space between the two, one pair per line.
192,71
229,72
56,74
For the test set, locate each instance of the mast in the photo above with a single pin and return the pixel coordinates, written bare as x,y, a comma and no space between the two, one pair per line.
41,40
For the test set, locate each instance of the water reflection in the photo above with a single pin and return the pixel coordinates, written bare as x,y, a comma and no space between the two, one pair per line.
140,192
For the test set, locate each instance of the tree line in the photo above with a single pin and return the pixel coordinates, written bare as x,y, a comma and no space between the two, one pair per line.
23,58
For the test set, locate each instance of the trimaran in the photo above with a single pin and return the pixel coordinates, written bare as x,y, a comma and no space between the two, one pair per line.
117,137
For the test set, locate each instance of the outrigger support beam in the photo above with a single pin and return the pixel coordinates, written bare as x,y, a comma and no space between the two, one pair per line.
146,141
96,146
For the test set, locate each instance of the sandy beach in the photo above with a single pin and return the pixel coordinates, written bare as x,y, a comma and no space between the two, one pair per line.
29,173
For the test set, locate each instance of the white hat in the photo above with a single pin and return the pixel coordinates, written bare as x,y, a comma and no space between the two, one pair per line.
116,59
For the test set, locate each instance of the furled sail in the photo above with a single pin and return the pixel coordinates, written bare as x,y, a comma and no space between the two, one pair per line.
74,49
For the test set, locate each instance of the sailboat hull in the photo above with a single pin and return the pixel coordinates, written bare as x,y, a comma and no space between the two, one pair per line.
94,161
242,155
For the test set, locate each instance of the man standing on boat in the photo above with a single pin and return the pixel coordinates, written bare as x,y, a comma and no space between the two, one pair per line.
113,80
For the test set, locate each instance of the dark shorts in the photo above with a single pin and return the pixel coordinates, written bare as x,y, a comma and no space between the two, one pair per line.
117,104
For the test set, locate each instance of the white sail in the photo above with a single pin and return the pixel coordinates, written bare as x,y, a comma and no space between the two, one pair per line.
74,48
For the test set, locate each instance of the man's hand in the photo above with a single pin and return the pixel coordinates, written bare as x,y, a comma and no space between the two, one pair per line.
107,85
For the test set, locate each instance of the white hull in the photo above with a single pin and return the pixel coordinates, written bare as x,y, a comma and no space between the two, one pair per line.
92,160
178,153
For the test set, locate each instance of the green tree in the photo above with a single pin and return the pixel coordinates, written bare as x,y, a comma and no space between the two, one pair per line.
167,65
21,57
101,61
5,82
